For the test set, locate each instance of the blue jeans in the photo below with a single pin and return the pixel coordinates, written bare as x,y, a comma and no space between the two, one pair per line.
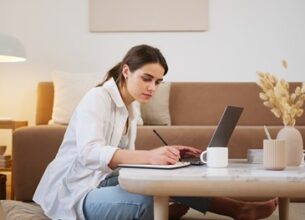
110,202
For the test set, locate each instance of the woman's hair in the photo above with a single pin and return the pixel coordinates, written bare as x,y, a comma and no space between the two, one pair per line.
135,58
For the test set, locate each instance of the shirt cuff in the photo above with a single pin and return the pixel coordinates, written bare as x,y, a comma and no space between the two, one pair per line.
106,155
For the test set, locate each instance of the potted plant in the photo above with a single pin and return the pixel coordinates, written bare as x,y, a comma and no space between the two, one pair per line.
287,106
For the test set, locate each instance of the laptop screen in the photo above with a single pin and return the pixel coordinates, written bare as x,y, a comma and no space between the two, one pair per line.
225,127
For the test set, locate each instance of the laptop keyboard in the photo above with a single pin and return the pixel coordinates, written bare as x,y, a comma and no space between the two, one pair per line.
193,160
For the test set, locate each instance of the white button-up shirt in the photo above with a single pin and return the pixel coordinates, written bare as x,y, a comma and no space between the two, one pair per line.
91,139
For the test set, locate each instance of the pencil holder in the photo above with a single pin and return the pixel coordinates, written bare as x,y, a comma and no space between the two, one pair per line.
274,154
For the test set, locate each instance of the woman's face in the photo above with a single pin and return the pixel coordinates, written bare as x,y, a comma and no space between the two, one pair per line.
143,82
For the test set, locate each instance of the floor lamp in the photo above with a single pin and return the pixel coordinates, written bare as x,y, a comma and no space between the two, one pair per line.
11,49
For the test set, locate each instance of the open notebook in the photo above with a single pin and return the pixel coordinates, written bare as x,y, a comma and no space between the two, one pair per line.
220,138
153,166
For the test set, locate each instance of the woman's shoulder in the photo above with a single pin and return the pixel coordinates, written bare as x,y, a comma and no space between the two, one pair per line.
96,95
100,92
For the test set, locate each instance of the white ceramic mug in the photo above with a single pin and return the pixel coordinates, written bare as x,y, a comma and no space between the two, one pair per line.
215,156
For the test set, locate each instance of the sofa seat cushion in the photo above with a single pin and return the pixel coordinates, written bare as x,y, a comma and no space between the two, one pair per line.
22,210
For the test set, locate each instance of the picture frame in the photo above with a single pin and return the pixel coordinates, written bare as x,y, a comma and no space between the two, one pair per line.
147,15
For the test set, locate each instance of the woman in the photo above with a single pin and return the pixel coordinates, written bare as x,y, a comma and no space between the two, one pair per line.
80,183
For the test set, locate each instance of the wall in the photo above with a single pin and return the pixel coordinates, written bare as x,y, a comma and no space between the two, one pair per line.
244,36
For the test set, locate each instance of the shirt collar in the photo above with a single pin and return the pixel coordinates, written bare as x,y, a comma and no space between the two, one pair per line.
114,92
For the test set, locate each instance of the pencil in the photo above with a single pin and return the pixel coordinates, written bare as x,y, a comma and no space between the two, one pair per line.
267,132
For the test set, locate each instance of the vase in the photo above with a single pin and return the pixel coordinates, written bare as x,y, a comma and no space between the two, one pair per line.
294,145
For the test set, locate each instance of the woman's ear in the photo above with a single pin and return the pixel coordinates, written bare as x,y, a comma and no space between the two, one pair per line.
125,71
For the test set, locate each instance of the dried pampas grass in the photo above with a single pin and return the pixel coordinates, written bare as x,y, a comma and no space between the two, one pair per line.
275,95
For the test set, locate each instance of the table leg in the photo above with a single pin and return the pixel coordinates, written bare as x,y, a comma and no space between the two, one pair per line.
283,208
161,207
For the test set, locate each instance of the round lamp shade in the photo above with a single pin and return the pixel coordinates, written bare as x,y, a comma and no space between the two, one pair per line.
11,50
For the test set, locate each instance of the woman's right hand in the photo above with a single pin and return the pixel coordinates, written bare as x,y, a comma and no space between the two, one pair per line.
164,155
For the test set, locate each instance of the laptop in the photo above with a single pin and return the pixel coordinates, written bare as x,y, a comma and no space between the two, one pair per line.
220,138
223,132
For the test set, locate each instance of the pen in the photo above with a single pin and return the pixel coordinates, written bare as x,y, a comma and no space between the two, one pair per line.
164,142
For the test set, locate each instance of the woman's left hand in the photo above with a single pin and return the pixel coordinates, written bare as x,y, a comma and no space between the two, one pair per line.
186,151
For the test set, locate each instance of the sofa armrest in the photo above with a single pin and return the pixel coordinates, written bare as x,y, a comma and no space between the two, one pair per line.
33,149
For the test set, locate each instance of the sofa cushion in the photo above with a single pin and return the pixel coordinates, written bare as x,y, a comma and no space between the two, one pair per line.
69,88
156,111
202,103
21,210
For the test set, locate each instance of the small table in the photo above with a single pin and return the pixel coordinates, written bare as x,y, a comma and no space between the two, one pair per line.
12,125
239,179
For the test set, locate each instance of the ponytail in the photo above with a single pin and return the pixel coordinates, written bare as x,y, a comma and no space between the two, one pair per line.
135,58
115,73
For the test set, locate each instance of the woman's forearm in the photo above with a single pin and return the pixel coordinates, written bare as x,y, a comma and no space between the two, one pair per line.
129,156
161,155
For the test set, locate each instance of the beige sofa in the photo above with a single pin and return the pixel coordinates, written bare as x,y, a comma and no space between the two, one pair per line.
195,108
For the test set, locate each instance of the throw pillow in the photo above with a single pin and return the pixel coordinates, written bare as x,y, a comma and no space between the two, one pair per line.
156,111
21,210
69,88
